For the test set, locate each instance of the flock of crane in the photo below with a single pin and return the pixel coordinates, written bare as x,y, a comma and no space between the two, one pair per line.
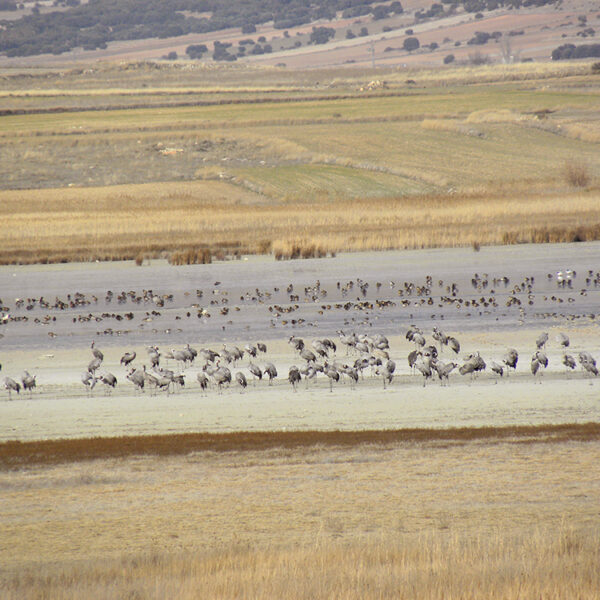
368,354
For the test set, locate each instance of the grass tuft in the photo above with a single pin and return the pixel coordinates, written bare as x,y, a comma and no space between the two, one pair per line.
191,256
577,173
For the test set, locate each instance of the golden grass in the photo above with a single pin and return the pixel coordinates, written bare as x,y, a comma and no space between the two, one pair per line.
545,563
493,73
577,173
107,223
190,256
449,514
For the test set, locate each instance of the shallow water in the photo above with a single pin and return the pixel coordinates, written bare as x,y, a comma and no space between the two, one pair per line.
61,408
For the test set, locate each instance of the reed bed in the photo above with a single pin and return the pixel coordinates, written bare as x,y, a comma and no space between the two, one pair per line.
191,256
545,563
110,226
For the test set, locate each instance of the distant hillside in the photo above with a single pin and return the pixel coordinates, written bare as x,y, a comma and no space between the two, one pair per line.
93,25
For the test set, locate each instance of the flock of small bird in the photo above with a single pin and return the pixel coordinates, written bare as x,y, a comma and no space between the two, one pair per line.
316,358
355,298
370,352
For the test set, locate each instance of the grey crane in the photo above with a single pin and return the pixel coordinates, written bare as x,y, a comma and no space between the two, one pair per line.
256,371
308,355
127,358
238,354
261,347
153,356
430,352
380,342
96,352
352,374
569,362
251,350
473,365
209,355
309,372
419,339
221,377
137,378
203,381
94,365
510,359
412,331
538,360
412,358
439,336
241,379
181,356
387,372
454,344
540,342
28,382
108,379
157,381
12,386
348,340
89,380
332,373
362,346
271,371
496,368
424,367
444,370
192,352
178,379
320,348
588,363
297,343
294,376
563,340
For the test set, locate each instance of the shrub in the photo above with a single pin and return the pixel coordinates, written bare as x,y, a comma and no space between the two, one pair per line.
448,59
411,43
196,50
576,174
479,59
191,256
321,35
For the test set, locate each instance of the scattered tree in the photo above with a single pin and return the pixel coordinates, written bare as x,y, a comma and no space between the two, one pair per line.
321,35
411,43
196,50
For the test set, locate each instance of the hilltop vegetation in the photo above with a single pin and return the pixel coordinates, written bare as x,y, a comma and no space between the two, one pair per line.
93,25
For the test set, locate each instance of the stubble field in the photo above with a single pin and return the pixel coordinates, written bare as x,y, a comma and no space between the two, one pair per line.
490,155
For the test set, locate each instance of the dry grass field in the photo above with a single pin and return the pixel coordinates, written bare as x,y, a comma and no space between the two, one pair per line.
488,514
129,162
157,219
